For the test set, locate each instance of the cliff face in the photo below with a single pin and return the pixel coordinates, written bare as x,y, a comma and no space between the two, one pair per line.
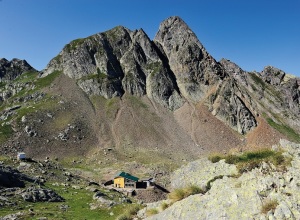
118,61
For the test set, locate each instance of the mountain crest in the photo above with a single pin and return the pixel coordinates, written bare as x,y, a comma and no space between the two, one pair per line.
9,70
171,70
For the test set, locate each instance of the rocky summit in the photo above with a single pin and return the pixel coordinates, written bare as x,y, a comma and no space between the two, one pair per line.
119,100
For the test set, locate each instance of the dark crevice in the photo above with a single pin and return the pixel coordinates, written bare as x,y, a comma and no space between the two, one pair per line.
165,61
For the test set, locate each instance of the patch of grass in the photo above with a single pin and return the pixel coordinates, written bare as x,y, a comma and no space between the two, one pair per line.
285,130
45,104
215,158
248,166
193,189
2,84
78,202
268,206
249,160
258,80
232,159
137,102
208,185
181,193
61,121
74,44
124,217
151,212
27,77
111,107
164,205
47,80
5,132
97,76
154,67
58,58
130,212
177,195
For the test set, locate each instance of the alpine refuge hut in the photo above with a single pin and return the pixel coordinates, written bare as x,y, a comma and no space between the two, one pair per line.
125,180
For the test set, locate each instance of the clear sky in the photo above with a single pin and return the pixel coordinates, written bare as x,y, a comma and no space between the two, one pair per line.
251,33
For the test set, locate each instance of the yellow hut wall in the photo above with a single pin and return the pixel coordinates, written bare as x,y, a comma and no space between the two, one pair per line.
119,182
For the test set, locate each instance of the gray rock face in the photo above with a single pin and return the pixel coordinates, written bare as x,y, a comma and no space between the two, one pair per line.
175,68
271,92
272,75
241,197
229,105
12,178
15,216
118,61
9,70
193,67
192,174
291,91
33,194
234,71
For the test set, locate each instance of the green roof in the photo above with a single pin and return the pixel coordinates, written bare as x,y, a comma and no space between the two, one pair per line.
127,176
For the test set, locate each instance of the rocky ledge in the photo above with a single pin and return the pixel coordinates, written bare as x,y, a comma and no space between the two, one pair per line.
263,193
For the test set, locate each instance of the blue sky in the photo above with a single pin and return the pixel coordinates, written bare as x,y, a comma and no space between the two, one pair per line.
251,33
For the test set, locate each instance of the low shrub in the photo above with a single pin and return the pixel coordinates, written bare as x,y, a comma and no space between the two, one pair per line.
181,193
164,205
151,212
132,210
177,195
268,206
248,166
278,159
208,185
215,158
249,160
124,216
232,159
192,190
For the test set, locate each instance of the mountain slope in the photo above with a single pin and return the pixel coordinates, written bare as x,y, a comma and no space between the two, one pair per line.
164,100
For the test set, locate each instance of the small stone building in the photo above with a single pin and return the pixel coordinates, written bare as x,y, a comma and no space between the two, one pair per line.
125,180
21,156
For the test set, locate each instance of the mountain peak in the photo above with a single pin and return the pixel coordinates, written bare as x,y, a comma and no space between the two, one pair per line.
9,70
172,25
173,20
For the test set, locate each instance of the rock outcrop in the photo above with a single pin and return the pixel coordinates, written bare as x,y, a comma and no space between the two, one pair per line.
193,67
9,70
243,197
33,194
12,178
200,172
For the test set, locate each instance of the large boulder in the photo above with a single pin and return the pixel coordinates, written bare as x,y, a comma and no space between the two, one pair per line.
12,178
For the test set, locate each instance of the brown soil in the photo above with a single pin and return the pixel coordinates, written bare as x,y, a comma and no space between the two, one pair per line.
263,136
150,195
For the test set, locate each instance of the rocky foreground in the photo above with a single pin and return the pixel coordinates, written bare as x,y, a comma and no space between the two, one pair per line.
263,193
